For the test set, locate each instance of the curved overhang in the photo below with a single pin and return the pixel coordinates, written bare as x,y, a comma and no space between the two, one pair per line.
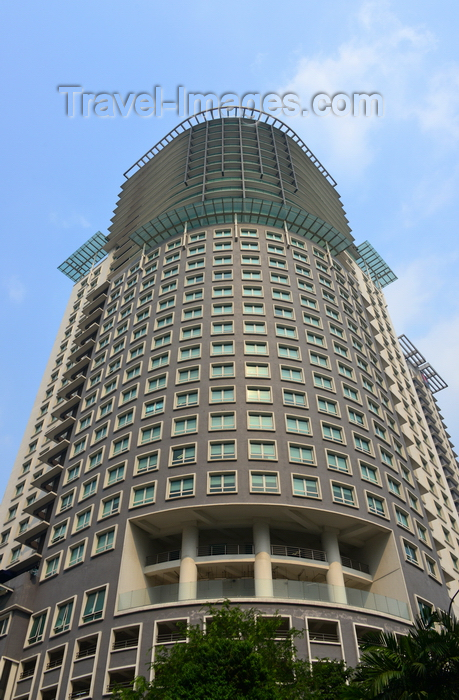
217,168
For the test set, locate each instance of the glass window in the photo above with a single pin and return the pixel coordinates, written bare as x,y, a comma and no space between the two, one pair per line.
264,483
343,494
94,605
291,374
37,628
305,486
286,331
150,433
105,541
222,483
226,348
252,327
369,473
189,374
298,425
83,520
256,370
327,406
115,474
219,327
63,618
260,421
362,443
259,394
76,554
337,461
183,486
147,463
189,398
222,421
294,398
184,454
262,450
375,505
185,425
301,454
222,394
110,506
411,553
322,382
52,566
156,362
144,495
222,450
222,370
289,352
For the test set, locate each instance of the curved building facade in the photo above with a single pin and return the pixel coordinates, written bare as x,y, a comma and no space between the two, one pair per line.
227,414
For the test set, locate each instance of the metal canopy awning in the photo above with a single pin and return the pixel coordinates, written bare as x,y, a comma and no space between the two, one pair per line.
79,264
373,264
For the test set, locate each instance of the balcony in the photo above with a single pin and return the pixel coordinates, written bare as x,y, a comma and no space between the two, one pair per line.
97,303
283,589
76,368
70,387
65,406
82,351
56,430
40,503
95,293
93,319
163,557
278,550
356,565
54,451
222,550
47,475
84,335
35,528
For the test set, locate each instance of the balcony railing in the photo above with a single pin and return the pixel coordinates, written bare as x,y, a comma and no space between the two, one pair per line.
55,663
245,588
323,637
173,555
119,684
277,550
27,673
125,643
220,550
280,550
90,651
170,637
357,565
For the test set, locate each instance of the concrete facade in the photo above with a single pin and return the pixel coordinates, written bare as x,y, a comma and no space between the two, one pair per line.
227,413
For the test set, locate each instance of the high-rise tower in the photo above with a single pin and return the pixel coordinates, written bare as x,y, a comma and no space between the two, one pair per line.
226,413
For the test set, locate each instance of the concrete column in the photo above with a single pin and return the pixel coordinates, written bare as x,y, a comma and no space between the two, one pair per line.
188,569
263,569
335,571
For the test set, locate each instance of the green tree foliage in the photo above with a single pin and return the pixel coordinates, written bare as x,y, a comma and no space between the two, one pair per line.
424,665
238,657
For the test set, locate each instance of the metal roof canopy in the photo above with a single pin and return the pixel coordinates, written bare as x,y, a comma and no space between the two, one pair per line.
429,375
248,211
79,264
252,115
371,262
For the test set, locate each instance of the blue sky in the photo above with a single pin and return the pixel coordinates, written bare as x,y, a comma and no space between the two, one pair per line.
397,175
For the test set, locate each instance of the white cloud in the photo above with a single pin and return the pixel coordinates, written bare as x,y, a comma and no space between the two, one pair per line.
15,289
72,219
424,291
382,56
